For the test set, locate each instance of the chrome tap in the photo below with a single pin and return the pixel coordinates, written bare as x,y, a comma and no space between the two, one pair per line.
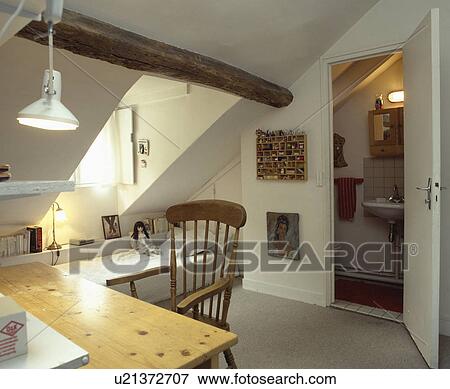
395,197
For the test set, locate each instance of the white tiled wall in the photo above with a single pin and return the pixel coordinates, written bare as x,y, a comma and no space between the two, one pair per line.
380,176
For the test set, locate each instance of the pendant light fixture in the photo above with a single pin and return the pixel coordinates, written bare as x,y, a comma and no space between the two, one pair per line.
48,112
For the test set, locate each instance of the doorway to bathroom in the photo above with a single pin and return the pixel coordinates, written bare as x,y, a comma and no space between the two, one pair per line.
368,168
425,146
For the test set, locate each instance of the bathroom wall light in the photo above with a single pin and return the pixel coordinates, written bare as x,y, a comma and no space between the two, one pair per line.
397,96
48,112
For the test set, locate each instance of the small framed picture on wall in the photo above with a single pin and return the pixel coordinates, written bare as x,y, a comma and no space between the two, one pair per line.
111,227
143,147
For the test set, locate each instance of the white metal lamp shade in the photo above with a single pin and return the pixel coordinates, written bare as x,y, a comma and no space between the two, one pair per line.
48,112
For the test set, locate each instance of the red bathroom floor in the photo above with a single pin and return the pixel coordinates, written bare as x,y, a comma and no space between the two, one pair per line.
373,294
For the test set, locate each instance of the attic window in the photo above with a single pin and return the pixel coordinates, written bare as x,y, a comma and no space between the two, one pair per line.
99,165
109,160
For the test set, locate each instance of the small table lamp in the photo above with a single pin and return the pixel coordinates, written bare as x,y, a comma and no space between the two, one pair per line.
59,215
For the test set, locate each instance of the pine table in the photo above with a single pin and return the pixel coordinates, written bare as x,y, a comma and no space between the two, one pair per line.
118,331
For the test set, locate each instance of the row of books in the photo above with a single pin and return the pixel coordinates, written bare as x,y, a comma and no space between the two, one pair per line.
24,242
5,173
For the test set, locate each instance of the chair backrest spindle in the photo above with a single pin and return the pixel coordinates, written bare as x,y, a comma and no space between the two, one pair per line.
214,266
225,249
205,254
184,261
173,269
194,281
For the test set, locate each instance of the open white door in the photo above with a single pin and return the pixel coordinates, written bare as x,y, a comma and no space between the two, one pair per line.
422,186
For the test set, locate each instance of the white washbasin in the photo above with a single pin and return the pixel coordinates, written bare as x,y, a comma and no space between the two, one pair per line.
389,211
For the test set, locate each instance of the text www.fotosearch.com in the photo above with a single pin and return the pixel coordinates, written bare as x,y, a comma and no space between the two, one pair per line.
222,379
249,379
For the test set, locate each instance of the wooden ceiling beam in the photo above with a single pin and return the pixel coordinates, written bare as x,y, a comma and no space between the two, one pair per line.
93,38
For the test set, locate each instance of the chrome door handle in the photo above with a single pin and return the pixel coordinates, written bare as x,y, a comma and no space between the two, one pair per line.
428,190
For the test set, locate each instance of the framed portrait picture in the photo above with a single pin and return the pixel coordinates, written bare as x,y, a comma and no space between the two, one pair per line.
111,227
283,235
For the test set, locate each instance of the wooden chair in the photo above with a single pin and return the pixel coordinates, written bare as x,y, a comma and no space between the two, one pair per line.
210,294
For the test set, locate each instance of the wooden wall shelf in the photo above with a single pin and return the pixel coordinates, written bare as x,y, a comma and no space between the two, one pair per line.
281,156
68,253
17,189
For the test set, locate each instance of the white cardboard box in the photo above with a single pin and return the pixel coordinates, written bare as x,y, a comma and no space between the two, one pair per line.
47,349
13,329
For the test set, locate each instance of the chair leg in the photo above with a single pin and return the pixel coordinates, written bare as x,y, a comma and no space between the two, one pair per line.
230,359
133,290
195,312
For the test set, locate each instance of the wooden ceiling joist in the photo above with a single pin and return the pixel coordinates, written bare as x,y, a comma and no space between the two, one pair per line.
93,38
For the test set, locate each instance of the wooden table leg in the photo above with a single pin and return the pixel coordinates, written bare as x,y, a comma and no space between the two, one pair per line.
212,363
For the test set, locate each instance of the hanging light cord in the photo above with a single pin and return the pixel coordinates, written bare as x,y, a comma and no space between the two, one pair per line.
12,17
51,90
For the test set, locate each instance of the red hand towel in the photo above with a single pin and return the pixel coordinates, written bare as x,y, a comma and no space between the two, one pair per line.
347,196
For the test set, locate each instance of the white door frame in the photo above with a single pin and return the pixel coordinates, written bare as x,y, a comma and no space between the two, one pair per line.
327,143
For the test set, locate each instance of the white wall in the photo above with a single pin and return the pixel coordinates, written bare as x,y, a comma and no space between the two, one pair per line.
226,185
351,122
305,198
84,209
388,22
18,22
183,120
209,154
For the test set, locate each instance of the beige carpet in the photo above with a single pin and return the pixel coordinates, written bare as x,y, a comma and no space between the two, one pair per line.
279,333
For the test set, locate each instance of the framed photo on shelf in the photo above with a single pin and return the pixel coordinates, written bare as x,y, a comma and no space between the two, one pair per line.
149,226
111,227
156,225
